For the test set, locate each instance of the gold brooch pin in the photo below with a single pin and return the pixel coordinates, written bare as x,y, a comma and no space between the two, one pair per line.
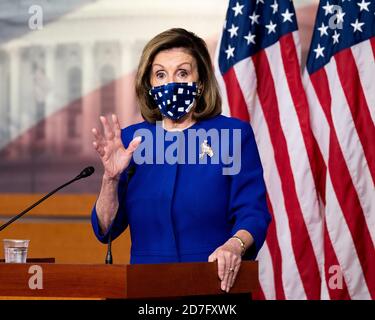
206,149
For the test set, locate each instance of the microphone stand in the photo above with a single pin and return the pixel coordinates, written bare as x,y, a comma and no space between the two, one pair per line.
85,173
108,258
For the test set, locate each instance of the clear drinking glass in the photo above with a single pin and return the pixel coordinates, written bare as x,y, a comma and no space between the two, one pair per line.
15,251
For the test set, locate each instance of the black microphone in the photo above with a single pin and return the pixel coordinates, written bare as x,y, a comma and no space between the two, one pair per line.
108,258
85,173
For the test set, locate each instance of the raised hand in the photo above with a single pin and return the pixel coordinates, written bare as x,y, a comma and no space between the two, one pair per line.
115,157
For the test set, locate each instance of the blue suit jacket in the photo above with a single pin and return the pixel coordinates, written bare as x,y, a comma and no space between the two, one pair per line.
183,212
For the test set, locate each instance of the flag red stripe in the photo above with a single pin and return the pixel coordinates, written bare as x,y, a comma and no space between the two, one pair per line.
258,295
344,188
320,166
276,256
317,164
324,98
236,100
331,260
351,83
293,76
319,81
372,41
302,247
351,208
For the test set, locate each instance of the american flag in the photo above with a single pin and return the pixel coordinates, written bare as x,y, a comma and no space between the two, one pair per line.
314,138
259,73
340,85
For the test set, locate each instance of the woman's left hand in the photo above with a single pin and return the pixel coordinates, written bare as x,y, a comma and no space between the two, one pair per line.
229,259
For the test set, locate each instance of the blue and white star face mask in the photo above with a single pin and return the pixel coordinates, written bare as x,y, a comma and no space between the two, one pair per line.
175,99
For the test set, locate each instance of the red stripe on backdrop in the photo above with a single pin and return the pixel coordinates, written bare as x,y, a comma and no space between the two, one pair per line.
344,188
351,83
302,247
273,245
293,76
331,260
236,100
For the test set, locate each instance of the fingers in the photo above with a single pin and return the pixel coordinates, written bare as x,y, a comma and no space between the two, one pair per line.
116,127
98,142
234,264
212,257
221,269
99,149
231,276
134,144
224,272
108,132
228,267
98,137
221,266
236,269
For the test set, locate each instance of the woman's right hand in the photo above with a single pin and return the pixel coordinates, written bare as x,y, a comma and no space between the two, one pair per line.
114,156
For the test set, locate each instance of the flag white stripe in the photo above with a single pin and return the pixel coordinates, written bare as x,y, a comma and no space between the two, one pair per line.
343,245
292,283
299,161
324,295
337,228
297,43
266,273
246,77
352,148
366,70
318,120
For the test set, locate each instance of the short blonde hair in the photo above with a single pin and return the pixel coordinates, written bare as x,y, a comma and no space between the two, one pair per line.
208,104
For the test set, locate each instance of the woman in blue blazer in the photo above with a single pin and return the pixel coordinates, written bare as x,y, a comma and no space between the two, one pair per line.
188,181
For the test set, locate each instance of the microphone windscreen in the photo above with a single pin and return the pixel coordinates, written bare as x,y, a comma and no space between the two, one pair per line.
86,172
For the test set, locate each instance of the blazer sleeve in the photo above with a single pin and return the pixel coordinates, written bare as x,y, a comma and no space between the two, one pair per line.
248,205
120,222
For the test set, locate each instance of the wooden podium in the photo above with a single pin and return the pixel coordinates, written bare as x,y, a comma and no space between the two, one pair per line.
138,281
